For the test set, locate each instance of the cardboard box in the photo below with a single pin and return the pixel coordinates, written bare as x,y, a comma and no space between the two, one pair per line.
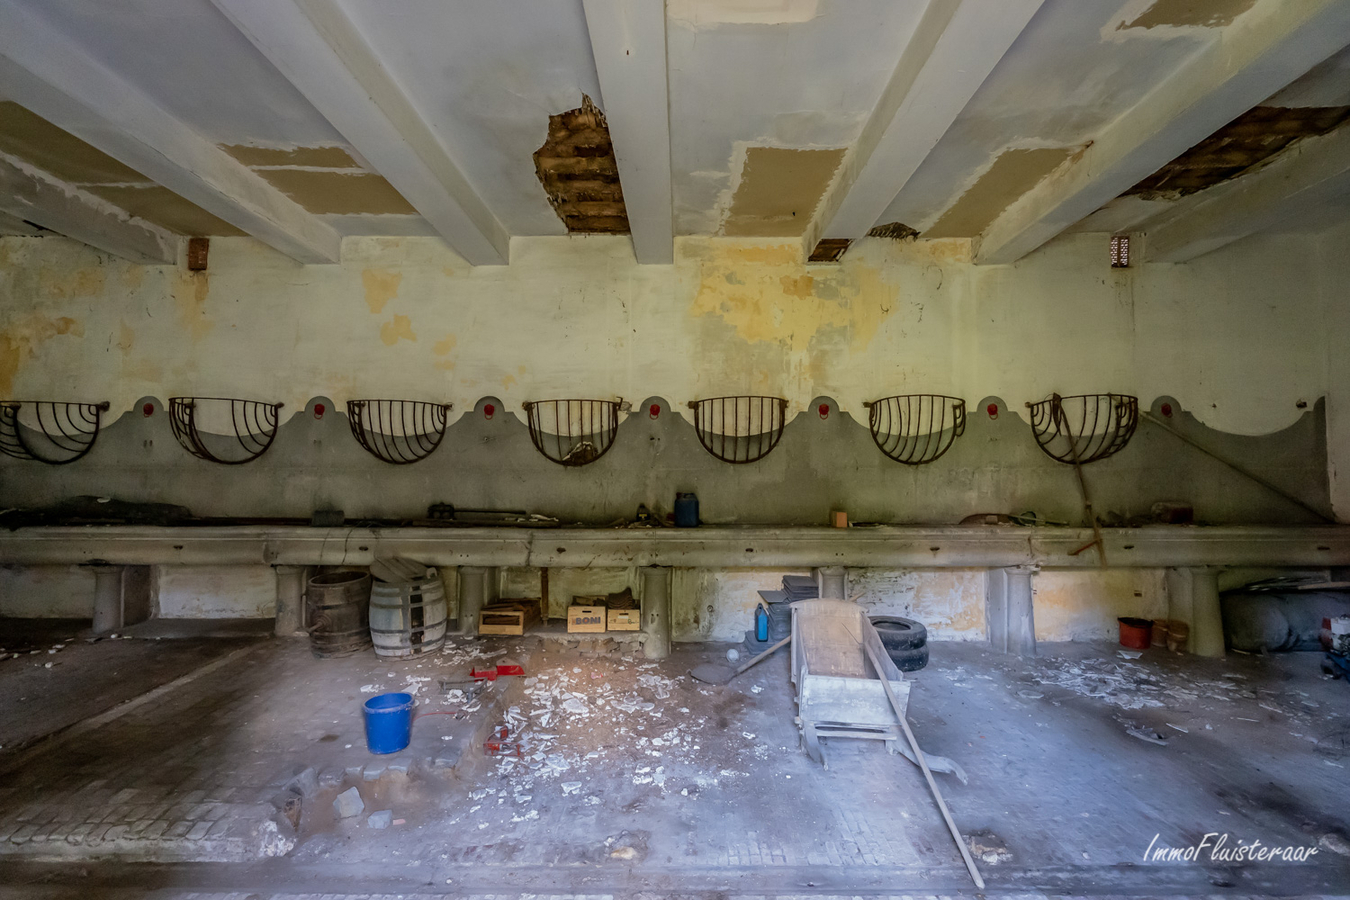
625,620
839,519
585,619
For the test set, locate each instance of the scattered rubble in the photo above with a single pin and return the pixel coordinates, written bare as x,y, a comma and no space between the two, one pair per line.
349,803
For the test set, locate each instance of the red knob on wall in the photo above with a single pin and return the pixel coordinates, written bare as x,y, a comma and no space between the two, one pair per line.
1166,410
148,410
318,410
992,409
654,410
824,410
489,411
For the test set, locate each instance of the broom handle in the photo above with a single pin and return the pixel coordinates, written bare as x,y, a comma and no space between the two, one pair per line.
927,773
762,655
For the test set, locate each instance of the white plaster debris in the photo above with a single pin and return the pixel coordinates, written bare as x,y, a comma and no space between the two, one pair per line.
561,701
371,688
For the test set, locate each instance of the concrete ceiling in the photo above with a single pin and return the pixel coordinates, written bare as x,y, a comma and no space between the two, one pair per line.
132,122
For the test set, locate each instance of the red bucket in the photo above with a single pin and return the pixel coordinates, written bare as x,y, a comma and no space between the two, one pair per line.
1137,634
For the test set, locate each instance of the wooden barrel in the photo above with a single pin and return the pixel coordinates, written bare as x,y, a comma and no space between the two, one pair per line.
408,618
339,604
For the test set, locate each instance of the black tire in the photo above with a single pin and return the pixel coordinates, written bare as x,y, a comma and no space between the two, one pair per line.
899,633
910,660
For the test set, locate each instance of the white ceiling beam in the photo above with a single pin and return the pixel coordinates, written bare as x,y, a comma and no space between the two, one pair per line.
44,70
319,49
1313,171
1263,50
954,48
28,194
628,41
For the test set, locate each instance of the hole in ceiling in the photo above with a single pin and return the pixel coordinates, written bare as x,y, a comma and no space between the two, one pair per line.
1250,139
577,168
896,231
829,250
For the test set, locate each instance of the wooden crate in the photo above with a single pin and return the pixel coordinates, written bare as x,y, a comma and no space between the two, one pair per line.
586,619
625,620
508,618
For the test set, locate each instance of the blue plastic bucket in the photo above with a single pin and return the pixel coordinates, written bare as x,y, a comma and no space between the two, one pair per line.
389,719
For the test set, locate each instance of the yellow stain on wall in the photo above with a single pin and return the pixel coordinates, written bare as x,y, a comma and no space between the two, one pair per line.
65,284
20,339
381,286
189,291
133,277
507,381
399,328
125,337
442,348
766,295
144,370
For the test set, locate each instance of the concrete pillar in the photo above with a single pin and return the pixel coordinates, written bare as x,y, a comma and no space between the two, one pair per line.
1009,616
290,600
832,582
656,612
108,598
1180,585
474,591
1207,618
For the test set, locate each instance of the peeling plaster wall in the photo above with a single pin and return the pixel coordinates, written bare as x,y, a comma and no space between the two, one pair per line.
215,592
1234,336
46,592
1084,605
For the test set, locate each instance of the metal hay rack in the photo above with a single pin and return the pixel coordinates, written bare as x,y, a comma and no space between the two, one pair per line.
1084,428
573,432
222,429
58,433
398,431
739,429
915,429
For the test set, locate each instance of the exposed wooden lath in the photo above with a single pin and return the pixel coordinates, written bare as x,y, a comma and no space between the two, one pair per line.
577,168
1250,139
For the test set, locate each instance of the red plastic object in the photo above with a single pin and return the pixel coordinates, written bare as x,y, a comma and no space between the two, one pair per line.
318,410
824,410
489,411
1167,410
1137,634
992,409
654,410
148,410
493,673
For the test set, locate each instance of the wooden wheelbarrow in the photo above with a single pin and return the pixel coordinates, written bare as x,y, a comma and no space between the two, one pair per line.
847,687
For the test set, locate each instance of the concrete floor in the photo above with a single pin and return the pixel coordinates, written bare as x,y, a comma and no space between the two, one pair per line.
639,780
